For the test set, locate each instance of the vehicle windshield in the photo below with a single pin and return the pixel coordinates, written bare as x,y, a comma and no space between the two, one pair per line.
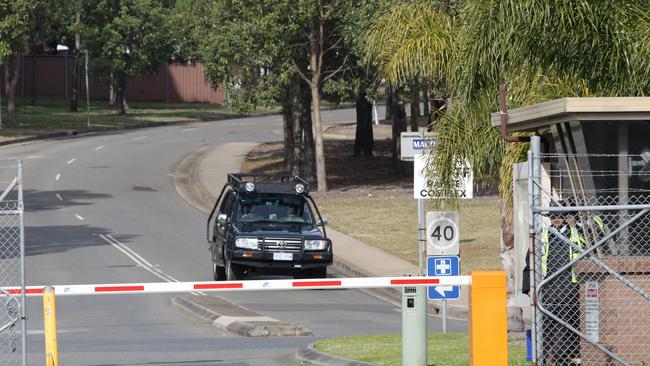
276,208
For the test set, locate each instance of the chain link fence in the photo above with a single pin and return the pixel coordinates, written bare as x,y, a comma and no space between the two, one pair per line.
591,219
12,267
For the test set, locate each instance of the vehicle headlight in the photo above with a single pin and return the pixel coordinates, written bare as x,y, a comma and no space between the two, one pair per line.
250,187
246,243
315,244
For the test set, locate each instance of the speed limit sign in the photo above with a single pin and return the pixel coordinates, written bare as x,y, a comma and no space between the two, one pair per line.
442,233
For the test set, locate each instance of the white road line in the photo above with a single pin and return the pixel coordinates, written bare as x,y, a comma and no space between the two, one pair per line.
139,138
58,176
189,129
71,161
138,259
59,197
99,147
79,217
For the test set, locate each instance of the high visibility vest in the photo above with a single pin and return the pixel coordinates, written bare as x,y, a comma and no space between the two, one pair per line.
578,240
599,222
545,241
575,238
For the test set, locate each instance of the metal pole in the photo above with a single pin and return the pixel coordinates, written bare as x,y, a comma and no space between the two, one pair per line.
414,326
49,326
23,298
0,106
422,234
534,199
87,92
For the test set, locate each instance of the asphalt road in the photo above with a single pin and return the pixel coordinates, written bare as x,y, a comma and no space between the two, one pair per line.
103,209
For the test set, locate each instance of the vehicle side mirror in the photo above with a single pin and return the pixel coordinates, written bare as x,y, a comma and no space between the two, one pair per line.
222,219
322,221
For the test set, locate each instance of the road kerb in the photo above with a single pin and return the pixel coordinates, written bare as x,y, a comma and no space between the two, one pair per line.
310,356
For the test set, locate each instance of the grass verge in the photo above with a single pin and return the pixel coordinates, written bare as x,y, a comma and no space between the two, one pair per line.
390,223
51,115
449,349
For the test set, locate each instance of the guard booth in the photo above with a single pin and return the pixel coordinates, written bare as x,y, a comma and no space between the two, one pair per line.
582,207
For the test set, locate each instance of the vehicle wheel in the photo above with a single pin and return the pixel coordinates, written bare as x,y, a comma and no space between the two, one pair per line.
233,272
218,272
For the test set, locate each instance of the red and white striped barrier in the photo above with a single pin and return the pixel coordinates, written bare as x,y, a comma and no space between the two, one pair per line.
252,285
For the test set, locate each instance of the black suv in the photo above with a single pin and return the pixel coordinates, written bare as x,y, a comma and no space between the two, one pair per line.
266,224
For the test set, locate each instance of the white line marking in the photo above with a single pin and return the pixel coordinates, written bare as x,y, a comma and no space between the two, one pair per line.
139,138
99,147
79,217
58,176
59,197
71,161
139,260
189,129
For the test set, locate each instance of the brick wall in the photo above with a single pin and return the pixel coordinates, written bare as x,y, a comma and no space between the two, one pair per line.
623,314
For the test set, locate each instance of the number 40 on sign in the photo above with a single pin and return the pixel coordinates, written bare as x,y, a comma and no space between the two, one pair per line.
442,233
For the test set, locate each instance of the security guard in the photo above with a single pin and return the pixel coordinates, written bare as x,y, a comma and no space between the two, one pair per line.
561,294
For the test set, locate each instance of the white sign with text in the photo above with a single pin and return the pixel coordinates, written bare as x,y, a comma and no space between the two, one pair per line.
423,188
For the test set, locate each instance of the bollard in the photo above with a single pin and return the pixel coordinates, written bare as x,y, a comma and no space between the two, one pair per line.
49,325
488,331
414,326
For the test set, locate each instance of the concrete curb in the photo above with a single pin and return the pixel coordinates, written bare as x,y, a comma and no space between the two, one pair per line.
309,356
247,326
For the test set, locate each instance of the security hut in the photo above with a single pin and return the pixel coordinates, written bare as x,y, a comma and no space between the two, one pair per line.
589,203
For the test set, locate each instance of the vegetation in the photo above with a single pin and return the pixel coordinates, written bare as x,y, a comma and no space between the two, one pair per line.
450,349
51,115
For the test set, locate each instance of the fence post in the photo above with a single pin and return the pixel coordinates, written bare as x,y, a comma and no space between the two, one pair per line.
49,323
488,329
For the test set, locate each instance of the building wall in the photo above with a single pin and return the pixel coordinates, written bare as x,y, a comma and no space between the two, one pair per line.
51,77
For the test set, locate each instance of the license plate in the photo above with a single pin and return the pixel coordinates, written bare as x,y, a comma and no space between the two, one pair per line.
282,256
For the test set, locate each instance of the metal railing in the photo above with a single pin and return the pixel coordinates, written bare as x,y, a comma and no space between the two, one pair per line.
12,267
590,229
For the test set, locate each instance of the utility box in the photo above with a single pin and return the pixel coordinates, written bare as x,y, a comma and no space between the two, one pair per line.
414,330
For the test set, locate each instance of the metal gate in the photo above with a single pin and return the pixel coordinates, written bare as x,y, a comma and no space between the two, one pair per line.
12,267
590,234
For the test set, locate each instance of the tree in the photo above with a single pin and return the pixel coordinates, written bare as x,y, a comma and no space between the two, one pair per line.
126,38
16,19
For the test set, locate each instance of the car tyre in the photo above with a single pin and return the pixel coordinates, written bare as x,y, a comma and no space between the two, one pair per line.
233,272
218,272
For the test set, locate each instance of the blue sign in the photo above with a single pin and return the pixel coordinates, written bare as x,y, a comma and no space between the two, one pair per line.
439,267
423,143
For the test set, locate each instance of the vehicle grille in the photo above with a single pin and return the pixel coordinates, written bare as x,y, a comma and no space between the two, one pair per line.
282,245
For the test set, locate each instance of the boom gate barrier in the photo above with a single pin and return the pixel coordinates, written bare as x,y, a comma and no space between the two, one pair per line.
487,329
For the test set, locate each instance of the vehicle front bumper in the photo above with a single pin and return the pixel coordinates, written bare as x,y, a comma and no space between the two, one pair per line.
264,259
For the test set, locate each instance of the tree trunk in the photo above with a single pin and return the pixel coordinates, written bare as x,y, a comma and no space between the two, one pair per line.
74,97
120,95
315,49
415,107
398,124
364,139
309,163
111,91
289,123
321,177
12,71
389,103
296,129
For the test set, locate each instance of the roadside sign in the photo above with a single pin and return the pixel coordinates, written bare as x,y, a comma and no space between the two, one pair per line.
439,267
423,187
414,143
442,233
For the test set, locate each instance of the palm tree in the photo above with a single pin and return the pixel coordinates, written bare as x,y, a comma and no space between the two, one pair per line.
540,49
